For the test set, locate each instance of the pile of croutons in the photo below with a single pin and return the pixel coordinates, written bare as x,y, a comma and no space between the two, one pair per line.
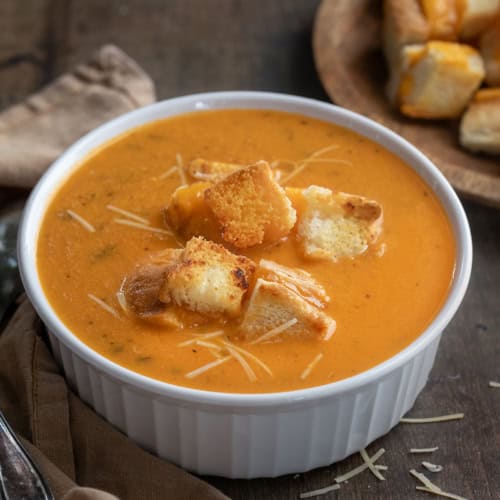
439,53
228,209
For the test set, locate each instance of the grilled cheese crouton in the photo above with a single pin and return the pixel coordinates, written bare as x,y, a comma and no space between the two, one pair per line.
208,279
251,207
404,24
443,19
489,45
476,15
141,289
298,280
337,225
440,81
480,125
211,171
189,215
273,304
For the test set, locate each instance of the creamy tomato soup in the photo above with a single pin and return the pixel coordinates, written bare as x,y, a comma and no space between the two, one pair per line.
108,217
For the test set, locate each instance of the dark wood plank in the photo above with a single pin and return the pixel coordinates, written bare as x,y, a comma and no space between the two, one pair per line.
194,45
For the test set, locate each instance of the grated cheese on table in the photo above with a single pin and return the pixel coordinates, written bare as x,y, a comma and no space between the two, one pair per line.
87,225
430,420
321,491
358,470
424,450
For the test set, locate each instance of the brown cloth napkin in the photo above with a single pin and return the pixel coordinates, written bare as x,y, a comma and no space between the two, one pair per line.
69,442
34,133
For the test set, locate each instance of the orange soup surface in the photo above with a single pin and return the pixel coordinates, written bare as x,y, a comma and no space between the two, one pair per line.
381,300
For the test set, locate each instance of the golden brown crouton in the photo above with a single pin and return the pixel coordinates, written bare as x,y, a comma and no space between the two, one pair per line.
272,305
298,280
336,225
208,279
211,171
251,207
188,213
141,289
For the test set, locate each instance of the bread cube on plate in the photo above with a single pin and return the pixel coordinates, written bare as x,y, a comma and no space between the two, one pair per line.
480,125
251,207
440,80
443,18
476,16
336,225
208,279
273,305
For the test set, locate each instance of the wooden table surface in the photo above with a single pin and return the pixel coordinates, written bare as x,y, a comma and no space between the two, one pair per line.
201,45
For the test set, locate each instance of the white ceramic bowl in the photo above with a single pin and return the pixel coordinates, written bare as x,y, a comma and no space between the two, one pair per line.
246,435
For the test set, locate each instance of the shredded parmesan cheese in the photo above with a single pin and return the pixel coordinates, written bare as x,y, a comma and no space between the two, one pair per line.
370,465
275,331
103,304
180,167
138,225
430,487
128,214
201,336
321,491
424,450
120,297
494,384
87,225
208,366
432,467
204,343
242,361
314,157
169,172
359,469
431,420
250,356
311,365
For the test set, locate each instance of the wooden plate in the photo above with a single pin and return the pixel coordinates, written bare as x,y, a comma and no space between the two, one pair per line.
346,44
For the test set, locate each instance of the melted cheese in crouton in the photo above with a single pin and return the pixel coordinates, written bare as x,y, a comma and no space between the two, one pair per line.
189,215
273,304
336,225
212,171
208,279
251,207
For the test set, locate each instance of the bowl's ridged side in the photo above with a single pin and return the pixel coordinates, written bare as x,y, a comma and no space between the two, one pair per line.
251,442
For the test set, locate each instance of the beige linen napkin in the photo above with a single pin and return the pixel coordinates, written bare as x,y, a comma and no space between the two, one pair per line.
69,442
34,133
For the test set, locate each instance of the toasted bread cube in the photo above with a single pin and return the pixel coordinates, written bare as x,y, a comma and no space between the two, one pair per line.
141,289
489,45
211,171
189,215
480,125
251,207
440,81
404,23
271,305
337,225
208,279
298,280
476,16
